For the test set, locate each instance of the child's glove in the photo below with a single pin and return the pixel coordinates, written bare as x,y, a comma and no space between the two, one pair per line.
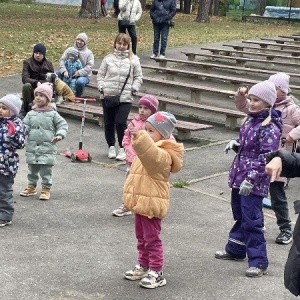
232,145
11,128
245,188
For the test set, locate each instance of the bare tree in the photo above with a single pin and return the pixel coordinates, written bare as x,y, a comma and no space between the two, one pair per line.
203,11
90,9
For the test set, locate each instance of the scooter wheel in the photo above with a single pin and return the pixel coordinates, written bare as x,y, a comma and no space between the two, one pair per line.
89,157
73,157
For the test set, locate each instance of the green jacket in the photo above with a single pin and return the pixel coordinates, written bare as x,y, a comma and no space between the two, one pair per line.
41,128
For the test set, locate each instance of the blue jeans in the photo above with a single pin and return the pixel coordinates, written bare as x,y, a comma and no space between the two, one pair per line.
6,198
161,32
81,82
132,34
280,205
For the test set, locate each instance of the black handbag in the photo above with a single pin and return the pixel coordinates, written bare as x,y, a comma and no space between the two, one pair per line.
113,101
125,22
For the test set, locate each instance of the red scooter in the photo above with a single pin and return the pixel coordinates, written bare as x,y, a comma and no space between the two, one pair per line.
81,154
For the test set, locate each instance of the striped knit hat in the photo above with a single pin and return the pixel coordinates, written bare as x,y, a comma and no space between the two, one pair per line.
150,101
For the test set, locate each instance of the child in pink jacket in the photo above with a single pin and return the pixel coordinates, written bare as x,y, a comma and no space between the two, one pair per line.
290,114
148,105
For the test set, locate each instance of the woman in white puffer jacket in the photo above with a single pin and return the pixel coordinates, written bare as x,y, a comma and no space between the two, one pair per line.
111,77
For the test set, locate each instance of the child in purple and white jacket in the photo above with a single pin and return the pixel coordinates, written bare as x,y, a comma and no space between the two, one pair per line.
290,113
259,135
148,105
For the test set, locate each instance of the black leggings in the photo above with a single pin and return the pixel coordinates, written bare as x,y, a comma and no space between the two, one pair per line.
115,119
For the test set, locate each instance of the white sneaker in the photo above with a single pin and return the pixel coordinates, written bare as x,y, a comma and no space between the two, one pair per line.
112,152
161,57
153,56
153,280
121,211
121,154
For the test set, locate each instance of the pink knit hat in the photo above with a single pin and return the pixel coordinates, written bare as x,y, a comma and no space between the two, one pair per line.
150,101
265,91
281,80
45,89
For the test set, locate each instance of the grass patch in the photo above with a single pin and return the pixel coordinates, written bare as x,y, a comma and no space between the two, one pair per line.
22,25
180,184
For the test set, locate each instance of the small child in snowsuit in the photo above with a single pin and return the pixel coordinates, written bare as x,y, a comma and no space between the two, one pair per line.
12,137
290,113
148,105
45,127
147,192
259,135
72,65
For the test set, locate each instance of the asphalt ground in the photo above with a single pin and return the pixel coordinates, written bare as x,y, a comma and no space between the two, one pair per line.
71,247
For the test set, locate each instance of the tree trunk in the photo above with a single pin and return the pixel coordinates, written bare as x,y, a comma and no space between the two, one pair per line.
90,9
216,7
203,11
187,6
261,5
143,3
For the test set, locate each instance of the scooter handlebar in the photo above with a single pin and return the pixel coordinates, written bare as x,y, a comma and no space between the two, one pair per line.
85,99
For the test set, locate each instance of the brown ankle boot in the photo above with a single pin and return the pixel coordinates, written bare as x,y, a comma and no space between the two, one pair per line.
45,194
30,190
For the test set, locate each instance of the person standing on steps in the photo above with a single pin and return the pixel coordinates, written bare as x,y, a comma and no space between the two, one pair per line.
130,13
120,74
161,12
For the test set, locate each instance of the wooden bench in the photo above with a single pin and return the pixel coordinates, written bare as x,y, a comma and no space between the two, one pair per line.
196,90
292,37
243,60
280,40
251,47
234,81
263,44
95,113
208,66
231,115
221,51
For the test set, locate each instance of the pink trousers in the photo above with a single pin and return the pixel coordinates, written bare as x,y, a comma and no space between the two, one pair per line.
149,244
